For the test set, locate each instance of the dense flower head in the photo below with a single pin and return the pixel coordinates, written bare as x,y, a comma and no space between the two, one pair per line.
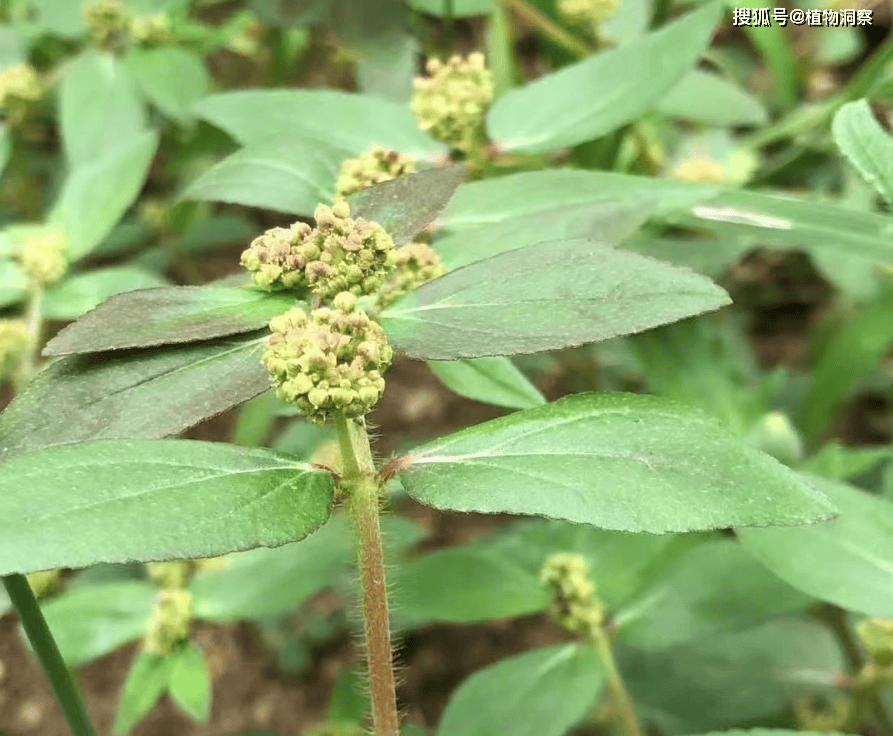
43,257
576,607
170,573
700,169
378,165
329,360
277,258
154,28
450,102
417,263
169,622
106,20
587,12
20,86
876,635
14,340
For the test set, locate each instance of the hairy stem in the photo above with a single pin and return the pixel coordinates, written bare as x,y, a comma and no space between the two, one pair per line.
47,652
362,485
34,321
622,702
548,27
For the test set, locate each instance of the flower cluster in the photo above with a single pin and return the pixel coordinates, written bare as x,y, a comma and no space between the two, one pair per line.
43,257
575,606
339,254
14,339
106,20
20,87
331,360
450,103
587,12
876,635
169,622
378,165
417,263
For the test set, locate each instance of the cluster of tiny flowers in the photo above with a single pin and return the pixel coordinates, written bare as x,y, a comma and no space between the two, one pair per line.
417,263
43,258
450,103
169,622
45,582
20,87
150,28
14,339
331,360
106,20
700,169
170,574
339,254
876,635
587,12
575,606
378,165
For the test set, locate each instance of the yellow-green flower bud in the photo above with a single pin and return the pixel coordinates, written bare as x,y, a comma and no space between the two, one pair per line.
587,12
170,574
700,169
378,165
45,582
43,257
20,87
169,623
332,360
575,606
775,435
417,263
876,635
106,20
450,102
276,259
343,254
14,341
150,28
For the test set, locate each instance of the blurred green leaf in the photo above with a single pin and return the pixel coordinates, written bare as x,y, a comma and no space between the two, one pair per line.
838,462
82,292
862,140
172,78
461,8
13,282
189,681
145,683
489,380
707,98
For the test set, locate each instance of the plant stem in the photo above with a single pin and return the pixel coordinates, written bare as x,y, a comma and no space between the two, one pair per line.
548,27
623,703
47,652
363,486
34,321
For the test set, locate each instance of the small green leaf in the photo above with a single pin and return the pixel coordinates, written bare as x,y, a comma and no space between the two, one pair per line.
145,684
405,206
172,78
707,98
287,175
839,462
99,108
189,681
82,292
89,621
132,395
847,561
593,97
489,380
349,121
618,461
866,145
166,315
97,193
13,282
545,296
126,500
542,692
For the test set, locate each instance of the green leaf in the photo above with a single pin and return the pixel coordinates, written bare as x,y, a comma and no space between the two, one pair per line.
839,462
287,175
82,292
124,500
405,206
862,140
13,282
99,108
545,296
89,621
489,380
145,684
461,8
172,78
765,732
715,587
60,18
858,347
461,585
847,561
97,193
618,461
727,680
542,692
137,394
169,314
772,41
189,681
349,121
593,97
707,98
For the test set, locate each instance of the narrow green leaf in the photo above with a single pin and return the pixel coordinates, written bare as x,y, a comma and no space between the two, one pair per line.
489,380
847,561
839,462
545,296
862,140
145,684
542,692
99,108
772,41
593,97
96,194
138,500
137,394
84,291
169,314
89,621
349,121
707,98
189,681
618,461
287,175
405,206
173,79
